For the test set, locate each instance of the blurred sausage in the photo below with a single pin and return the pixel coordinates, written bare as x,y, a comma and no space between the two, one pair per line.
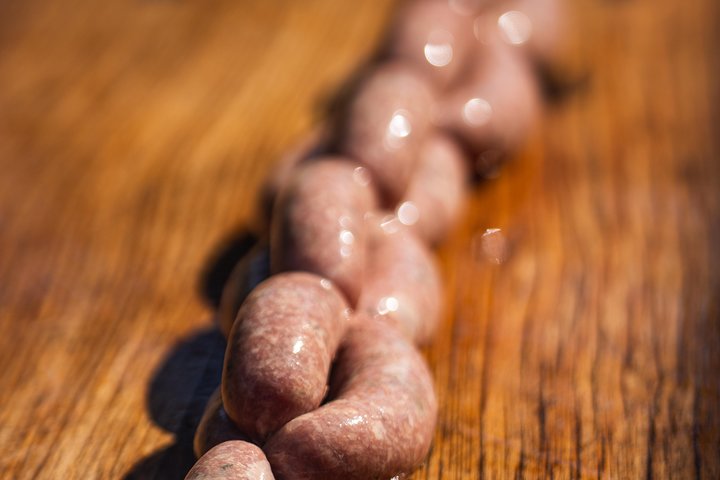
236,460
279,352
436,38
318,223
402,286
533,26
498,104
384,123
215,427
470,8
250,271
435,196
381,419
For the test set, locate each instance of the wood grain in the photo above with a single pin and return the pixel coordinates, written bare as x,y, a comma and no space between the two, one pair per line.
134,136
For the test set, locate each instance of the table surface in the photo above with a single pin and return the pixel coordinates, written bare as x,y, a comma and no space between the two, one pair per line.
134,136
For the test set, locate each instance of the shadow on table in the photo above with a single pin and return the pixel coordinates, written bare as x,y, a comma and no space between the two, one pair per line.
220,265
183,383
176,398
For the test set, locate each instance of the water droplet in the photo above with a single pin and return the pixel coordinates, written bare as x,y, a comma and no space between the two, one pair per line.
477,111
491,246
347,237
399,125
390,224
482,30
438,50
387,305
356,420
362,176
408,213
398,130
516,27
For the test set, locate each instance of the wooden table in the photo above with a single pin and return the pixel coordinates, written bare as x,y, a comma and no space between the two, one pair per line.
134,136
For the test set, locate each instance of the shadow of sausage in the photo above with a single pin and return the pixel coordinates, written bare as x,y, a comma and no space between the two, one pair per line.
176,398
221,263
182,384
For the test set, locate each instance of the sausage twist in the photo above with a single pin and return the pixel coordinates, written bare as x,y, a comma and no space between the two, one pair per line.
321,368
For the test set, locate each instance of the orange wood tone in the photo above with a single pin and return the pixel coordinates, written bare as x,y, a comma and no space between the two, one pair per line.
134,137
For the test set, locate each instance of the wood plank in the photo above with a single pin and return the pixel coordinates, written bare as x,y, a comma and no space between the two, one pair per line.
134,137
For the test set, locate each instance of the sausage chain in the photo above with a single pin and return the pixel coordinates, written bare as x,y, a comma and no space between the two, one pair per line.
322,376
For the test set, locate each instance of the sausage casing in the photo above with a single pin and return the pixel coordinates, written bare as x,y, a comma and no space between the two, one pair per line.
535,27
495,108
403,285
234,460
435,196
318,223
215,427
436,38
279,352
380,421
384,123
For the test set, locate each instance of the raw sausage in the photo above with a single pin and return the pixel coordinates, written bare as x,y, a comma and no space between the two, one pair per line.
380,420
236,460
279,352
497,105
384,123
403,285
318,224
215,427
435,196
436,38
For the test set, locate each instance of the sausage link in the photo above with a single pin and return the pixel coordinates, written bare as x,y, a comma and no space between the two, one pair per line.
215,427
234,460
436,38
403,282
496,108
318,224
280,350
379,425
250,271
385,122
435,196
